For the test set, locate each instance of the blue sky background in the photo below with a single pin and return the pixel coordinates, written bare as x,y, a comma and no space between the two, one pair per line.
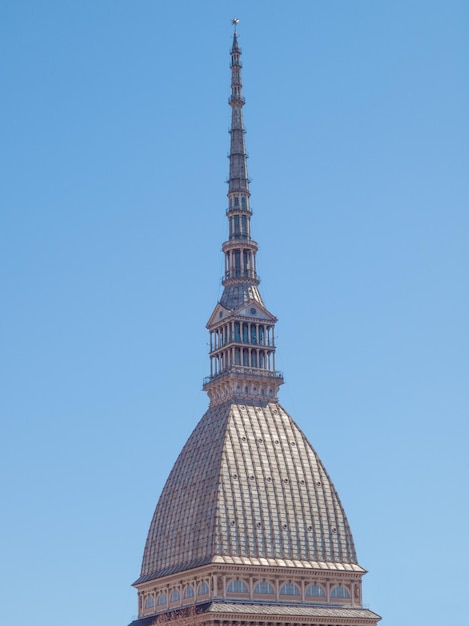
113,148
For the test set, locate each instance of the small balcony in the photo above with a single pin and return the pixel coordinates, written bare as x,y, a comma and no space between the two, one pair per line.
243,372
238,209
237,100
241,275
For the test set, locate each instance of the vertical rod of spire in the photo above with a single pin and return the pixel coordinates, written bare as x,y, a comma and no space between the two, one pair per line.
238,181
240,250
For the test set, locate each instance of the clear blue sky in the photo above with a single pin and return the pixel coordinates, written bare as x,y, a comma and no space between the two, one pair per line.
113,148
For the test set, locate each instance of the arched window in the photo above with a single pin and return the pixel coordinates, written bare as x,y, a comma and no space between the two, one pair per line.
162,599
314,591
340,592
189,592
203,589
243,202
237,586
264,588
175,596
150,602
289,589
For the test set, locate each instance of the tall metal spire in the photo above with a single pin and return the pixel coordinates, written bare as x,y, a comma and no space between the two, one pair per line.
240,279
238,180
242,348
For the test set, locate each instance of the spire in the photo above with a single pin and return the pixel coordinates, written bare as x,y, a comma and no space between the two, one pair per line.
242,331
240,279
238,180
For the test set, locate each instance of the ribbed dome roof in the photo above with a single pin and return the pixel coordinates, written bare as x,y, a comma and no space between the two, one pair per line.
246,484
237,294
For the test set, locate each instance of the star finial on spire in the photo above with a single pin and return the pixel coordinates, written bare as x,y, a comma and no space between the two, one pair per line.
235,22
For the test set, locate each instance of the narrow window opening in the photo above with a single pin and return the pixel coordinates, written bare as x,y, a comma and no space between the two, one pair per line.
246,262
245,333
237,258
253,334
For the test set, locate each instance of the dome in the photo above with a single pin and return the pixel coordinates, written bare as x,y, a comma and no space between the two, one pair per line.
248,488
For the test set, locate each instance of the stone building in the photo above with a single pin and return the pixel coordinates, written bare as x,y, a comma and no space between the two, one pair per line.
249,529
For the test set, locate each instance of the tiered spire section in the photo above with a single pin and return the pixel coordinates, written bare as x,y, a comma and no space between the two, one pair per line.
242,346
240,250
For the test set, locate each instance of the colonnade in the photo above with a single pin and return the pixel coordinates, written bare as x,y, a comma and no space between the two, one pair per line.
240,263
244,344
